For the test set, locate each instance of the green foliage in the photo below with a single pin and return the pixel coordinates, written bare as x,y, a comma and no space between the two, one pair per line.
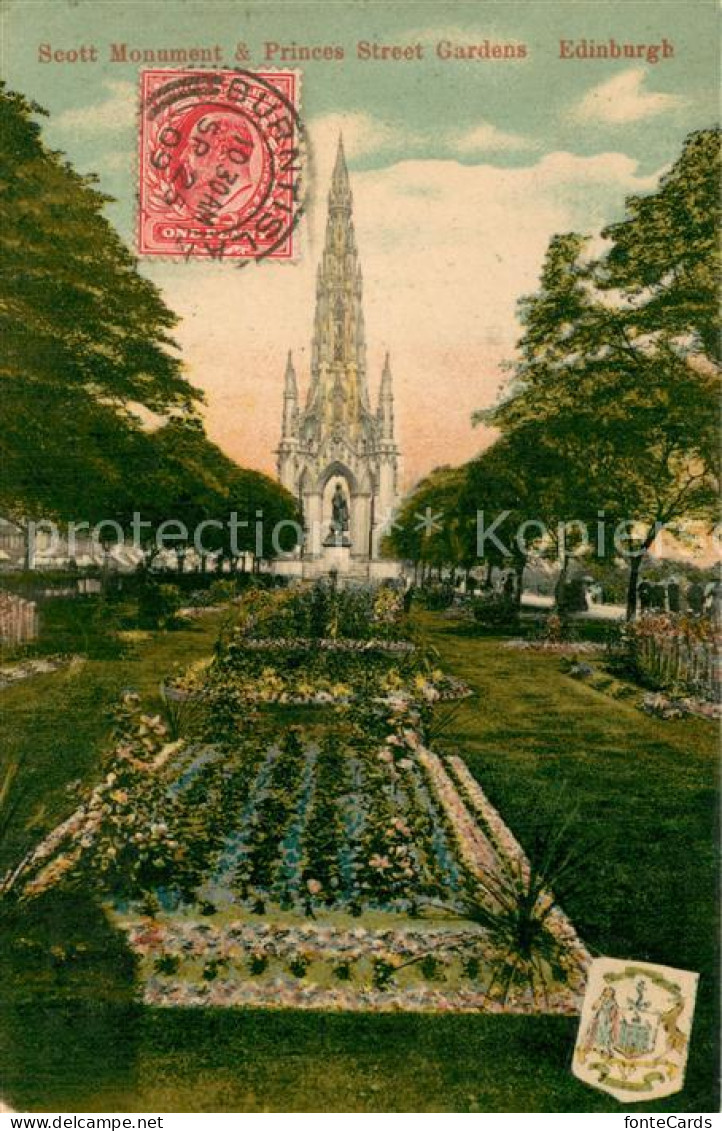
322,612
676,227
221,592
9,801
158,605
257,964
447,537
299,965
180,715
76,356
515,907
167,964
617,374
81,358
437,596
494,610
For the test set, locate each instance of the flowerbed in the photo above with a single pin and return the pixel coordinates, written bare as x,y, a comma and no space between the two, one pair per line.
322,611
206,847
556,647
660,704
674,707
301,644
184,962
315,672
11,674
675,653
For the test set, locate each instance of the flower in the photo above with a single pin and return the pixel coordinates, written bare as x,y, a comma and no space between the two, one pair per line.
379,862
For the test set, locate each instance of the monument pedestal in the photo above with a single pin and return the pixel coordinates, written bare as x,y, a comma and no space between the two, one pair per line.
336,559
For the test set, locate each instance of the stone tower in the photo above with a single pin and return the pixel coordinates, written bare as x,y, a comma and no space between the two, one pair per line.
337,439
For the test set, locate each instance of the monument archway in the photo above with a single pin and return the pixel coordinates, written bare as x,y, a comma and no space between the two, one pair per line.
338,440
339,485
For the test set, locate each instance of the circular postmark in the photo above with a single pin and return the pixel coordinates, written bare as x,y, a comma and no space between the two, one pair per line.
220,164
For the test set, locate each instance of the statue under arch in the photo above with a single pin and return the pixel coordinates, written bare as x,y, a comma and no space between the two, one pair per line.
337,434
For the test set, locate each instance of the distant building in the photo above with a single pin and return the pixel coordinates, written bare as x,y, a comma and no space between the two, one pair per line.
337,455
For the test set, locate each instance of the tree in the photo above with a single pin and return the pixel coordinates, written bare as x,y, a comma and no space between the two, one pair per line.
514,499
86,338
184,480
617,364
665,255
429,529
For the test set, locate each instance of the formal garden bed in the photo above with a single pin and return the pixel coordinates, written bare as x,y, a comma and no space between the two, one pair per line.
342,864
675,658
11,674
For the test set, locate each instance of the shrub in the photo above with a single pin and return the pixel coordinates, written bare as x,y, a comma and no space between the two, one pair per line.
167,964
158,605
471,967
299,964
494,610
383,971
669,652
212,969
437,597
257,964
431,968
221,592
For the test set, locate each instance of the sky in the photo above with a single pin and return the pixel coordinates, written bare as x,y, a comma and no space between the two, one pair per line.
461,171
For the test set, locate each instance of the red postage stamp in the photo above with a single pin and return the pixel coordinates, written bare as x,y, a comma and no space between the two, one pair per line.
219,164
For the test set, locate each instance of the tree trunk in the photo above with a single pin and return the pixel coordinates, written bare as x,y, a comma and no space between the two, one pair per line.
28,549
519,567
560,583
635,567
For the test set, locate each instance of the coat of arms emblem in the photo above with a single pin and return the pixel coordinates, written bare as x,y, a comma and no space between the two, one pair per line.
634,1031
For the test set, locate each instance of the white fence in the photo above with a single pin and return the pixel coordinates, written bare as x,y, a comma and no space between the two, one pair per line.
693,665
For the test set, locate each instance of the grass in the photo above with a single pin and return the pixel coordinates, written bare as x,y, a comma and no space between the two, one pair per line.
57,725
644,805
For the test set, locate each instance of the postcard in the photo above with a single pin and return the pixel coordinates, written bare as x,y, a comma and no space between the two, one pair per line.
360,595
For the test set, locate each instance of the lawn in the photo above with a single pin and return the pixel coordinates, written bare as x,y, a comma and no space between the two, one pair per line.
57,724
640,792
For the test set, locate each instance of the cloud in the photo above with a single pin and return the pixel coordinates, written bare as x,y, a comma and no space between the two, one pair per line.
117,112
446,250
363,134
623,99
486,137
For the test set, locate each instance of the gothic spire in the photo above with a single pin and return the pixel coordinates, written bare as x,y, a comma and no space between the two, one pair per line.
291,387
385,413
339,195
290,400
338,353
386,383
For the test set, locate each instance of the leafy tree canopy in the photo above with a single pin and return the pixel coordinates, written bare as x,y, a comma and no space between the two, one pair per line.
86,338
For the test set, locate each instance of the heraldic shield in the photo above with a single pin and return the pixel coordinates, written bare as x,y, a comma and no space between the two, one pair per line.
635,1028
